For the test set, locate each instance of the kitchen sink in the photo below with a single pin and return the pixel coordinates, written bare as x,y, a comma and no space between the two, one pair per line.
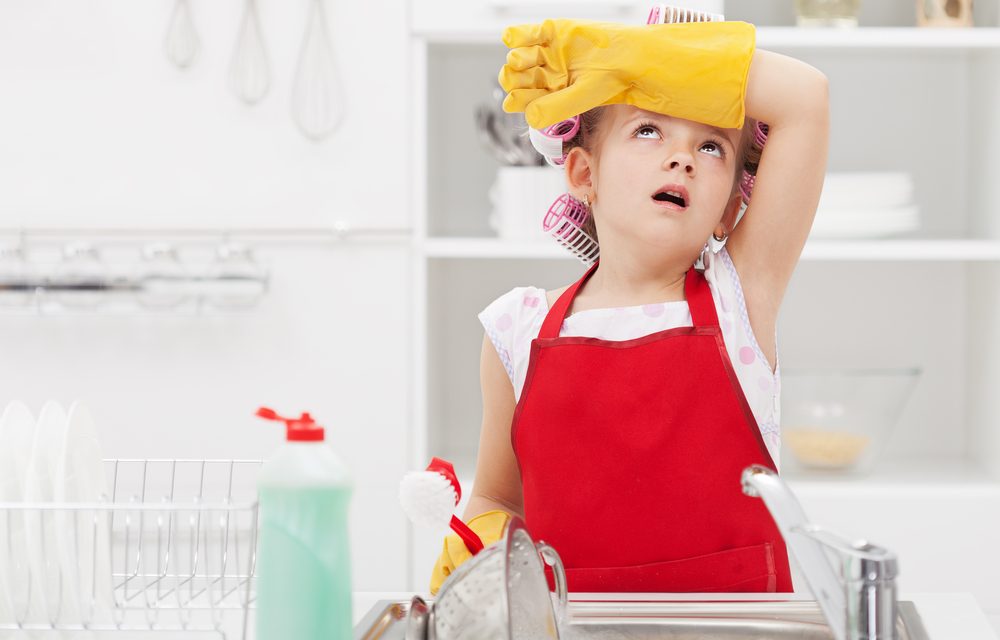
652,620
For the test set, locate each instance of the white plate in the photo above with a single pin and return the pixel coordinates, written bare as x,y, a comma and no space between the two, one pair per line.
860,223
17,429
83,535
39,486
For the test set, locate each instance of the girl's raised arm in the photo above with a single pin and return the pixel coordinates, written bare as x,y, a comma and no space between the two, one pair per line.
792,97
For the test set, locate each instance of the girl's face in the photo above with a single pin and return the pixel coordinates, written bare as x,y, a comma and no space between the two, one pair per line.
643,156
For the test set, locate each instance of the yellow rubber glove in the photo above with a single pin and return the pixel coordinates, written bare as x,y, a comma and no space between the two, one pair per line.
489,526
561,68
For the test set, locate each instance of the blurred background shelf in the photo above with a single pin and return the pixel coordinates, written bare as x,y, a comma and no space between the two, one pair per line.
946,250
916,101
795,38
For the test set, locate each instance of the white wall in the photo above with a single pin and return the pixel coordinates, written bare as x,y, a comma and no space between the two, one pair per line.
99,130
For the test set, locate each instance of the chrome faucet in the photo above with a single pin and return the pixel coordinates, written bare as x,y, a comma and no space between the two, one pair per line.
858,595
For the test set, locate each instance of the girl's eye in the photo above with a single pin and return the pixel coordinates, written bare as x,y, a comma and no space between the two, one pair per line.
716,146
646,128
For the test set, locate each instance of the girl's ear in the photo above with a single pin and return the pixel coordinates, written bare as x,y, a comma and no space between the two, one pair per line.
579,172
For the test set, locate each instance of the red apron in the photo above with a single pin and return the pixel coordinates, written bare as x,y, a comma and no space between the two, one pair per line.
631,453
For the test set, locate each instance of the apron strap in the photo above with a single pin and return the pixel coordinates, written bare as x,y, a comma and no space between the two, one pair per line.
699,299
554,318
696,290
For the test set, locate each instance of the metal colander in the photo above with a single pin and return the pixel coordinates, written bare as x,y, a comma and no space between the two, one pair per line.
501,593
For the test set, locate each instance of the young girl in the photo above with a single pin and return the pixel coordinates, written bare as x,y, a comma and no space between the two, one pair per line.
619,411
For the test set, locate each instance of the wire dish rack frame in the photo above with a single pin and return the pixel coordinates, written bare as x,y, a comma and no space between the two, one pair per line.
171,548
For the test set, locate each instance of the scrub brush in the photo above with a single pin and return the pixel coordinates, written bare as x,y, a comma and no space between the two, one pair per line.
429,499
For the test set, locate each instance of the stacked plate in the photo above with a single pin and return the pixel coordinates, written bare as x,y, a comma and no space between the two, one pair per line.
55,563
866,205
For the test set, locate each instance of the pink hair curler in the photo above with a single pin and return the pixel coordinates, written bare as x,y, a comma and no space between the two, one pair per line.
564,221
667,14
549,141
760,133
746,184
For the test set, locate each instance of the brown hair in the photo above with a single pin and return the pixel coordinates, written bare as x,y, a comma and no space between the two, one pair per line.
589,138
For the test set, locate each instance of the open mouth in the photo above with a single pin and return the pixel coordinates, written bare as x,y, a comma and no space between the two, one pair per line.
677,197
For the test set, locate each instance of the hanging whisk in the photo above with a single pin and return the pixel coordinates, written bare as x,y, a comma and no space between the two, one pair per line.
181,44
317,96
249,70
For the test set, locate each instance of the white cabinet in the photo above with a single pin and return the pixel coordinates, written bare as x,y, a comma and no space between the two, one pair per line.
902,99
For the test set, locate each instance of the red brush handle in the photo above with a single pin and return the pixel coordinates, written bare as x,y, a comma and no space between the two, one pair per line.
446,469
472,541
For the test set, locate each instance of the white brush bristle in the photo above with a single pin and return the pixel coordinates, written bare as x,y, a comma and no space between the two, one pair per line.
427,498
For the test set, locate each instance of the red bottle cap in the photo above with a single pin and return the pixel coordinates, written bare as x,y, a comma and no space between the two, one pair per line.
301,429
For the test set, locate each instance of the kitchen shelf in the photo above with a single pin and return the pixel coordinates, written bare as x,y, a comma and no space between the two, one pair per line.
957,250
879,38
929,300
786,38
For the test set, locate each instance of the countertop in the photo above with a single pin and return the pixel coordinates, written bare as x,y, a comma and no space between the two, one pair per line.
946,616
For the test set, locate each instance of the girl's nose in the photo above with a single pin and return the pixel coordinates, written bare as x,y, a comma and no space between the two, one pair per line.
680,158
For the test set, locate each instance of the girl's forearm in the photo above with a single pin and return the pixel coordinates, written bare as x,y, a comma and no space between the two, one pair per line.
479,504
782,89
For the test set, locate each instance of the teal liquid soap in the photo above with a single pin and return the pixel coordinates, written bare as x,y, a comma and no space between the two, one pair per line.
303,569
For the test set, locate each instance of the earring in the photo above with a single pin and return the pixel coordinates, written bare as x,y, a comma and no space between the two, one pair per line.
586,201
716,242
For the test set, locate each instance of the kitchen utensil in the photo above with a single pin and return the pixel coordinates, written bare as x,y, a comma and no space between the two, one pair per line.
504,134
17,431
514,129
249,70
827,13
650,616
429,498
868,204
492,139
83,277
517,195
181,43
840,420
40,531
83,535
417,619
162,277
944,13
872,189
245,280
864,222
564,222
318,100
501,593
15,270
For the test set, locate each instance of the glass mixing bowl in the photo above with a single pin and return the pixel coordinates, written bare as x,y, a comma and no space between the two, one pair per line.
839,420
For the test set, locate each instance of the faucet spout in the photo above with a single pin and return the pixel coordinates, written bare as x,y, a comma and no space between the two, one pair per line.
858,595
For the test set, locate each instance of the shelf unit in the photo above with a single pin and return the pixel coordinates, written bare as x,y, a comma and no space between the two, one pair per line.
929,299
794,38
956,250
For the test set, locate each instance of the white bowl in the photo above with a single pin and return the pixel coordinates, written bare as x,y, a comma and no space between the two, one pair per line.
839,420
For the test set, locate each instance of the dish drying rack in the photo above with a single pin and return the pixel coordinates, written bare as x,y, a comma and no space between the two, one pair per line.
172,548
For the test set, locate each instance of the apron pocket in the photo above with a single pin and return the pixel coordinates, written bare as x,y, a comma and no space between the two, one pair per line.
745,569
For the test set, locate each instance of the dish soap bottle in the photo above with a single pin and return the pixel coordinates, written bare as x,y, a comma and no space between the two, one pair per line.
303,561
